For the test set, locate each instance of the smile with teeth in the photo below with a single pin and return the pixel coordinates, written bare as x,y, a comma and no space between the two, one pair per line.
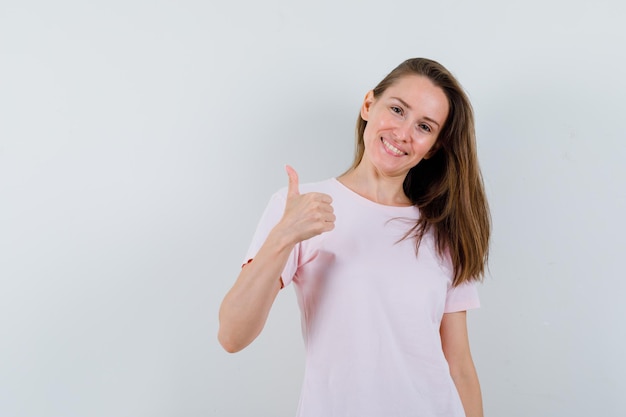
392,148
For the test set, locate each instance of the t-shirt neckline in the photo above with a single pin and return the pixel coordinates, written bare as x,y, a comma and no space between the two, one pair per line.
397,210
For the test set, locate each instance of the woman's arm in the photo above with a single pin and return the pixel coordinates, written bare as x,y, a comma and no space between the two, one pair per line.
245,308
455,343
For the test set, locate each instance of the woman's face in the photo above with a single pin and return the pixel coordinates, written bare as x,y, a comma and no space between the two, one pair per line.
402,124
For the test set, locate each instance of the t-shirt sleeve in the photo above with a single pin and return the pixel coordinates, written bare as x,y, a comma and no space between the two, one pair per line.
462,297
271,216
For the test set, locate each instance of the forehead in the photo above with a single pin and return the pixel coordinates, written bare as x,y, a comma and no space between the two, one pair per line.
420,93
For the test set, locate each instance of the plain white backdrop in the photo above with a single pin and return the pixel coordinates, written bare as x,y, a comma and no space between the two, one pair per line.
141,140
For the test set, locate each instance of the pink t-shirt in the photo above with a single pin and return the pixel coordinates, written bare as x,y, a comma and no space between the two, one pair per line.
371,311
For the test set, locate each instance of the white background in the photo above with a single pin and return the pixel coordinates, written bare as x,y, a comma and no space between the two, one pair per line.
141,140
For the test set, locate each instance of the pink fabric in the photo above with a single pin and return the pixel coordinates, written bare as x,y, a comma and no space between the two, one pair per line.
371,311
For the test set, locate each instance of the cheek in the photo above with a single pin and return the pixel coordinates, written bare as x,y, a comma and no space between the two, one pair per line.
427,146
370,132
384,122
430,142
377,124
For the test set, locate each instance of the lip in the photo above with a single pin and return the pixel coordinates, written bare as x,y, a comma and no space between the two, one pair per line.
391,149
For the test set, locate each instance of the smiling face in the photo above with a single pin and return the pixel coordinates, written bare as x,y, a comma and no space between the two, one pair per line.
402,124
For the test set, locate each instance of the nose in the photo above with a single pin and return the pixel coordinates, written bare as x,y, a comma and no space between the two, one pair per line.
402,131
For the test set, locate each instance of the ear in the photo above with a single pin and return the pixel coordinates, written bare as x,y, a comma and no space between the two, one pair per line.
367,105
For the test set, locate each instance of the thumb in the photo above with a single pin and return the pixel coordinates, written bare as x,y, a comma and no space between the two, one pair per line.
293,182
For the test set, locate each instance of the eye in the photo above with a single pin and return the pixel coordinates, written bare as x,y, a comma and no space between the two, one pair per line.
425,127
396,109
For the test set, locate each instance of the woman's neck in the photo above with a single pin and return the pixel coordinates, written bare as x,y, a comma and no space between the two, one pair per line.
375,186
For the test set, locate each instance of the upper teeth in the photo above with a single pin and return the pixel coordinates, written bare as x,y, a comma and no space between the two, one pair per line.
392,148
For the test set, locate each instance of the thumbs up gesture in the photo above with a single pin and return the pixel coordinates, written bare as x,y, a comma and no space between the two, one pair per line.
306,215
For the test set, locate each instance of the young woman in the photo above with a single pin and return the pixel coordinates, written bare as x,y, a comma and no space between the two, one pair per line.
384,259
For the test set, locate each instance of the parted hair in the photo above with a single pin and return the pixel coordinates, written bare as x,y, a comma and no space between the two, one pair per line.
447,187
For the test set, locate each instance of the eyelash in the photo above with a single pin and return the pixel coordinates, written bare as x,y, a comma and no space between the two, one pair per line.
394,108
423,126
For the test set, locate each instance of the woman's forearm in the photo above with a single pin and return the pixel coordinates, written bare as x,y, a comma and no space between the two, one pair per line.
245,308
468,386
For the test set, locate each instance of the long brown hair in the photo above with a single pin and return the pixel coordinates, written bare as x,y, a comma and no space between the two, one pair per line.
447,187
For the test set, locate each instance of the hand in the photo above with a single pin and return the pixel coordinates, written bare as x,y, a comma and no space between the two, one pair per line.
306,215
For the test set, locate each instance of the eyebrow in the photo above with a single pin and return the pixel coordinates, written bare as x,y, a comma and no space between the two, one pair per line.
405,104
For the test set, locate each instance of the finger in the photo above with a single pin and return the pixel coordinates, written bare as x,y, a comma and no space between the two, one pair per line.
324,198
293,182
